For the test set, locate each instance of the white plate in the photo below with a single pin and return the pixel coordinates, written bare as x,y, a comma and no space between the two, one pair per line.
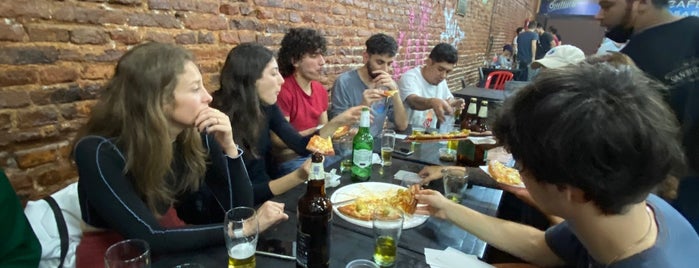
364,188
485,169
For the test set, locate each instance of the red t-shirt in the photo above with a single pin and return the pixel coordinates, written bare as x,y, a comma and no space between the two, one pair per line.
303,111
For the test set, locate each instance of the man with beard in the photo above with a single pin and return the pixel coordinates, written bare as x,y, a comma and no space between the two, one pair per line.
667,48
370,84
425,90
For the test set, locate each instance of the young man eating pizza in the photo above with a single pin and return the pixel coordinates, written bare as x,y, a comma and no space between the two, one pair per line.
591,141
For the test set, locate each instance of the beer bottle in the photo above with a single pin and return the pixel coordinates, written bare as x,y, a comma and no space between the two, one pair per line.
362,147
468,119
482,121
314,212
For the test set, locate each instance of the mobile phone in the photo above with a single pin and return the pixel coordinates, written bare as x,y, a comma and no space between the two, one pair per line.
403,151
277,248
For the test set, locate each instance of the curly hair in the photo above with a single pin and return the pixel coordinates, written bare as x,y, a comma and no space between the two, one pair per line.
381,44
602,128
296,43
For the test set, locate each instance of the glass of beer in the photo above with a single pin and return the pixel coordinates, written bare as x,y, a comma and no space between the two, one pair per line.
131,253
388,225
388,142
240,229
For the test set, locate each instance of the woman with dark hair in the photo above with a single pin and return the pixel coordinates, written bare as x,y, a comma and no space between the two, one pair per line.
250,83
153,149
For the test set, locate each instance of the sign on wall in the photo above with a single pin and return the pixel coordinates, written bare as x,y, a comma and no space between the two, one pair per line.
590,7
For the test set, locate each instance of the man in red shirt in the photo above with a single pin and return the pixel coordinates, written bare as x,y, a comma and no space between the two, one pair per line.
303,100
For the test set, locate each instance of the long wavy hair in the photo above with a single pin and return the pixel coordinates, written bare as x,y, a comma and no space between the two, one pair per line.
133,110
237,96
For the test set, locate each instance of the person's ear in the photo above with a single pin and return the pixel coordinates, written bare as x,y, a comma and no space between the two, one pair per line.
365,57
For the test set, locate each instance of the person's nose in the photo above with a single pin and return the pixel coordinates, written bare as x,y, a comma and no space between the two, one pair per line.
322,60
207,97
599,15
280,80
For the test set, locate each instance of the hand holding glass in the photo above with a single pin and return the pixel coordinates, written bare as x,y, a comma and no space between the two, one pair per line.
454,183
240,230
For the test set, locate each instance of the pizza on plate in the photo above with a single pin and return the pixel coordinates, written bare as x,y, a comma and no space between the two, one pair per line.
503,174
320,145
463,134
363,208
389,92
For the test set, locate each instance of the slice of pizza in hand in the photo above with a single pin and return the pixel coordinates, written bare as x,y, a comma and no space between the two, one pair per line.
341,131
320,145
503,174
389,92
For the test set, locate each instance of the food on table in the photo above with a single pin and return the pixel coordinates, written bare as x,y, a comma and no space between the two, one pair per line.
321,145
434,136
503,174
363,207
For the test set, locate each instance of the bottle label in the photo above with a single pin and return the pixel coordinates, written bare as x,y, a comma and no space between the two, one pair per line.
361,158
303,240
364,119
317,172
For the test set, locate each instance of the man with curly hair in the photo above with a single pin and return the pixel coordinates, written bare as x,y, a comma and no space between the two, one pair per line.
368,85
302,99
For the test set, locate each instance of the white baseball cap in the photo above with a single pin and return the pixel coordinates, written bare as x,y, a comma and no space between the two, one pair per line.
560,56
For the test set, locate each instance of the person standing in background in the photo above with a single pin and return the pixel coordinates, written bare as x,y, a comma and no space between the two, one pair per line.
514,44
526,44
546,41
667,48
556,37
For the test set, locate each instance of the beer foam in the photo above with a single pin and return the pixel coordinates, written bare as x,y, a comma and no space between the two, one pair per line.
242,251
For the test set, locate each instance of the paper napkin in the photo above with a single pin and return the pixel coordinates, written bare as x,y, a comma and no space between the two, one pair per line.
451,257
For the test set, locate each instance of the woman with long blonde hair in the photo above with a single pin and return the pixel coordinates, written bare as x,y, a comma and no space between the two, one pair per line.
154,155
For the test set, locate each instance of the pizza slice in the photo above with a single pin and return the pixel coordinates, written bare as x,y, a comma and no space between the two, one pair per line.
320,145
341,131
401,199
389,92
503,174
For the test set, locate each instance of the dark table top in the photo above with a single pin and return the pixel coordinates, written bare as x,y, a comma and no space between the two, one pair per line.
351,242
480,93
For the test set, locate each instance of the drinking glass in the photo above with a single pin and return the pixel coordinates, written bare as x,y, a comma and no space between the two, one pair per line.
131,253
388,142
240,230
454,183
362,263
387,225
345,151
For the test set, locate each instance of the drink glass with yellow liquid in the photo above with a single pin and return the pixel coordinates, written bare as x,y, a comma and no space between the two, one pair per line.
388,142
417,130
388,225
240,230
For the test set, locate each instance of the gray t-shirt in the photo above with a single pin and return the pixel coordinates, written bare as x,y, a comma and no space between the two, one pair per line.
677,244
347,92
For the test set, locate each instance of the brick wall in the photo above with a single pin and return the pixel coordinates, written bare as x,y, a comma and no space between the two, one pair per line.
55,55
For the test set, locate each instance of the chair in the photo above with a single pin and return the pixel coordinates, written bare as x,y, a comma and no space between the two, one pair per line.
500,78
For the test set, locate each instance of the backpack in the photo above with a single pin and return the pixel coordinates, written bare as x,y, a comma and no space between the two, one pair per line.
56,221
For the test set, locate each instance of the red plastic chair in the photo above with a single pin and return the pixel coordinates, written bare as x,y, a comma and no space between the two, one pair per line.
500,78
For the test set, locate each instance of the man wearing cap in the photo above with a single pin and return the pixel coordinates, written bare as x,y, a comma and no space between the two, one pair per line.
560,56
664,46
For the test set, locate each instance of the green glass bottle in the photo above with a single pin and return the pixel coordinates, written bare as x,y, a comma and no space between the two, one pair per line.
362,147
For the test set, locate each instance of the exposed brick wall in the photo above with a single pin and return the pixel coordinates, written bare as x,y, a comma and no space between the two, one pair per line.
55,55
